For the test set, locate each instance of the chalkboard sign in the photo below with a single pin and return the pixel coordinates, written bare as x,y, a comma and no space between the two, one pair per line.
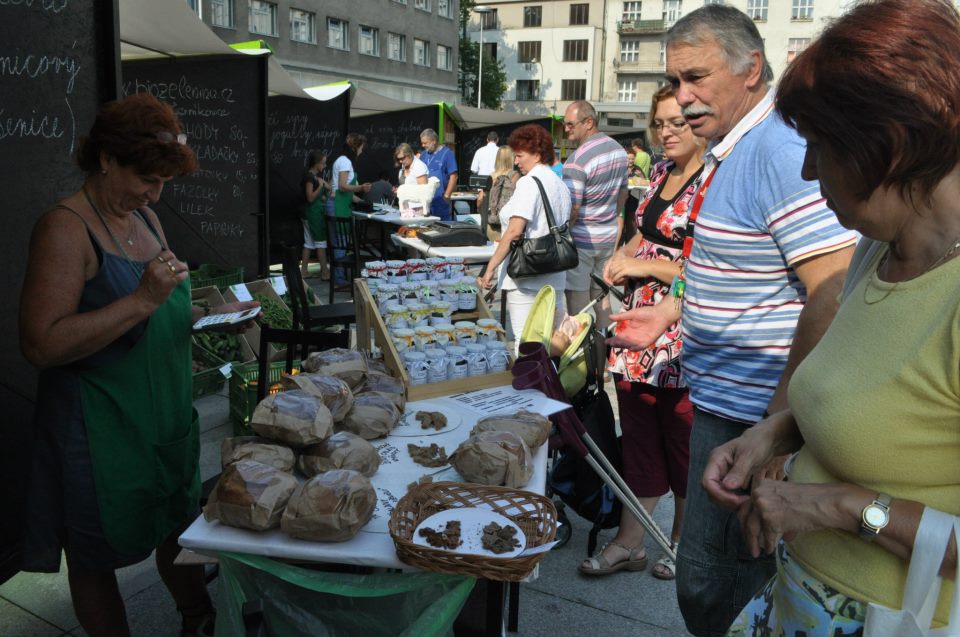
472,140
58,62
219,213
384,132
295,127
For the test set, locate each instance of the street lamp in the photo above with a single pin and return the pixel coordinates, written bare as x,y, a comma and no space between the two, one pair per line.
482,10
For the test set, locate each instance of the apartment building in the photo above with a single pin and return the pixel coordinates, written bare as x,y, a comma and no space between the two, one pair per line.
403,49
612,52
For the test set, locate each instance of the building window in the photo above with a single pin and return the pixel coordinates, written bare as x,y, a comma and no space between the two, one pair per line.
528,90
193,4
528,51
490,50
398,47
369,41
263,17
627,91
532,16
620,121
338,36
222,13
631,11
663,52
709,2
443,8
489,19
757,9
802,10
444,58
573,89
579,13
671,12
795,46
421,52
575,50
629,50
303,27
400,1
423,5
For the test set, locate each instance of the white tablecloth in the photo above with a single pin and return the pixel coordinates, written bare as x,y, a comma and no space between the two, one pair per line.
374,547
470,254
395,218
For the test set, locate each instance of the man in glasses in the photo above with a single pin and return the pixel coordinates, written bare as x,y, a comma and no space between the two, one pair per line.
758,288
596,174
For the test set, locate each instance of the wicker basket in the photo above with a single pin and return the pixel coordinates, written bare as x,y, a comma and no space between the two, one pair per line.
534,514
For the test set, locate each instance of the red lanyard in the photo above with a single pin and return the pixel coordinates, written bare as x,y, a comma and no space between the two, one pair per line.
694,212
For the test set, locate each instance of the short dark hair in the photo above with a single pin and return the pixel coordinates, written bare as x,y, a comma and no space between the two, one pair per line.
140,132
638,142
352,145
315,157
493,136
533,139
884,100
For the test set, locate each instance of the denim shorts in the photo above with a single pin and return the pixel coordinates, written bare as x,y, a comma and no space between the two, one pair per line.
716,575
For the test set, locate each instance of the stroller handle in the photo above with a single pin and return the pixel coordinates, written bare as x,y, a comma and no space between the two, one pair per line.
606,288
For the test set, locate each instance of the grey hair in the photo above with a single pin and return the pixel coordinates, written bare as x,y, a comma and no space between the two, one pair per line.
429,133
731,28
585,109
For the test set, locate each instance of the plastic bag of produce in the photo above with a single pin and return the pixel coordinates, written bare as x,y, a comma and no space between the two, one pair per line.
342,450
496,458
257,449
532,427
334,392
372,416
293,417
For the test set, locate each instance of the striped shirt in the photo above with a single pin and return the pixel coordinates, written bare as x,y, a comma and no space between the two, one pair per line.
595,173
743,296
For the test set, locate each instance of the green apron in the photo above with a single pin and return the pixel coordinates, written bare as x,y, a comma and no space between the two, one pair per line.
144,434
316,215
343,202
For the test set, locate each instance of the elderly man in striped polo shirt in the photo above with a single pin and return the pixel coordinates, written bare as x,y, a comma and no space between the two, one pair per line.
596,174
767,263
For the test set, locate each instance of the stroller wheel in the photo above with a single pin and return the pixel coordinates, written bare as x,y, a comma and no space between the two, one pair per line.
564,530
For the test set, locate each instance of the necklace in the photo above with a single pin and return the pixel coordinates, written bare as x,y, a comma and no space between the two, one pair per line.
876,273
135,266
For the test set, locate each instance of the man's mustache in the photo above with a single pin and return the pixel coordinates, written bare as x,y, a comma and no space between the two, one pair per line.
690,112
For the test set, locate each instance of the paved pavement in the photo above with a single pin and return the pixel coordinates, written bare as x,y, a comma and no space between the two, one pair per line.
560,602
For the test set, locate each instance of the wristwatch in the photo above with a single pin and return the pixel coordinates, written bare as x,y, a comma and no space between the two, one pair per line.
874,517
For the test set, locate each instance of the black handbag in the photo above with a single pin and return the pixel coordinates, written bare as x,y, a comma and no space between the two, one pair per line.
553,252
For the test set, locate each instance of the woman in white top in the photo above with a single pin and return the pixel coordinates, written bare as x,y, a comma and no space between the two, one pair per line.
344,181
412,170
524,216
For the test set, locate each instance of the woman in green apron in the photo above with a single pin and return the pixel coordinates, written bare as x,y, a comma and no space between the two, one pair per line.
345,188
315,192
105,314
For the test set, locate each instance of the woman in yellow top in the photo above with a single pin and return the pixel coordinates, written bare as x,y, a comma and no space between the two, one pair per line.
875,407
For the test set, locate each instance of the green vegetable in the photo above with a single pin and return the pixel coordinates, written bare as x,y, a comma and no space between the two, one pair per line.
274,313
224,346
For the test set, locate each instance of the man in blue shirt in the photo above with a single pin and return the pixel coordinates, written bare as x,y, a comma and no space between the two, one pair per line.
442,165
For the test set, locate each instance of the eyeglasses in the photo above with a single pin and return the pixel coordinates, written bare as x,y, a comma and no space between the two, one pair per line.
401,157
572,124
673,127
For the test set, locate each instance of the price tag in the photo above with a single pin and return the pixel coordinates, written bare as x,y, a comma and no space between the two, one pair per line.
279,285
227,370
241,292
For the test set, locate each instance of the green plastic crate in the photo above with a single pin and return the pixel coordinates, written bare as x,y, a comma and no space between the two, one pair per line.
243,392
210,380
211,274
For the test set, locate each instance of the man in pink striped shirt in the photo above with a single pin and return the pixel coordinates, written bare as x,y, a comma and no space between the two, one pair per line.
596,175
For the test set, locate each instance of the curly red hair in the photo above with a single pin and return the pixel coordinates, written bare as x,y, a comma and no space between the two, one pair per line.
533,139
880,97
139,131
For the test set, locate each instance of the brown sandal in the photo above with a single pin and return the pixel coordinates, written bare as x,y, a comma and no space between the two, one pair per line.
598,564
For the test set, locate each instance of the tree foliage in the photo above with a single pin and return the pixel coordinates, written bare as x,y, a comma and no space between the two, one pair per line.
494,75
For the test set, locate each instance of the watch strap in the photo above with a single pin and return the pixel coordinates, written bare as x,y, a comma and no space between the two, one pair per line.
868,531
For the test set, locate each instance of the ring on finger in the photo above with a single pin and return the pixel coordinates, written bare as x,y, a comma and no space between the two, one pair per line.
172,267
161,259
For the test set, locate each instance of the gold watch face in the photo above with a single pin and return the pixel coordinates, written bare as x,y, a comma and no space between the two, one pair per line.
875,516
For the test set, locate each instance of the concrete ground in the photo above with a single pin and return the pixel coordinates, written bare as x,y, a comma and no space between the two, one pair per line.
560,602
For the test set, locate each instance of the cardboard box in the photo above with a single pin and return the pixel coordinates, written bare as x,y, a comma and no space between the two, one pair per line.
210,297
246,292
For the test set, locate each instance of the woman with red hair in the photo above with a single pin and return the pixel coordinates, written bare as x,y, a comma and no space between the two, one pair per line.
874,417
524,216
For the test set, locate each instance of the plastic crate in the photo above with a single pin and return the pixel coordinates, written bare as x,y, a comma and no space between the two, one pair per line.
210,380
211,274
243,391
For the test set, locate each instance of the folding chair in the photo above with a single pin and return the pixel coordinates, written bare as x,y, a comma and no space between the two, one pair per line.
311,317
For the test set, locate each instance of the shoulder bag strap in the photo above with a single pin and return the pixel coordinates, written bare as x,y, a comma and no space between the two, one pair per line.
546,206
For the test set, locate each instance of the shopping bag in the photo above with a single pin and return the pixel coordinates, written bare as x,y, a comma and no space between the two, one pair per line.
923,586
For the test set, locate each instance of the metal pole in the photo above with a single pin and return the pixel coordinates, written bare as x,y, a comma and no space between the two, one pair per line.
480,63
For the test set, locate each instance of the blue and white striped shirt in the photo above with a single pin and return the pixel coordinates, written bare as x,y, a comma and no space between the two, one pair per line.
743,297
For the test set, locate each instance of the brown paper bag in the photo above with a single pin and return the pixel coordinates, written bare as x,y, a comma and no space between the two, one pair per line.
250,495
532,427
343,363
372,416
257,449
496,458
293,417
385,385
342,450
330,507
333,391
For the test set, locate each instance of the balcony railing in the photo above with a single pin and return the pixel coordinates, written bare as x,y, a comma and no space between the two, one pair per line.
642,26
641,66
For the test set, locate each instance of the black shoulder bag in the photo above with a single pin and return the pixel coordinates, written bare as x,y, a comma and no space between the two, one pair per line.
553,252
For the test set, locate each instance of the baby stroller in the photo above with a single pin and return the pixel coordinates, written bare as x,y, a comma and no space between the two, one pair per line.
583,475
